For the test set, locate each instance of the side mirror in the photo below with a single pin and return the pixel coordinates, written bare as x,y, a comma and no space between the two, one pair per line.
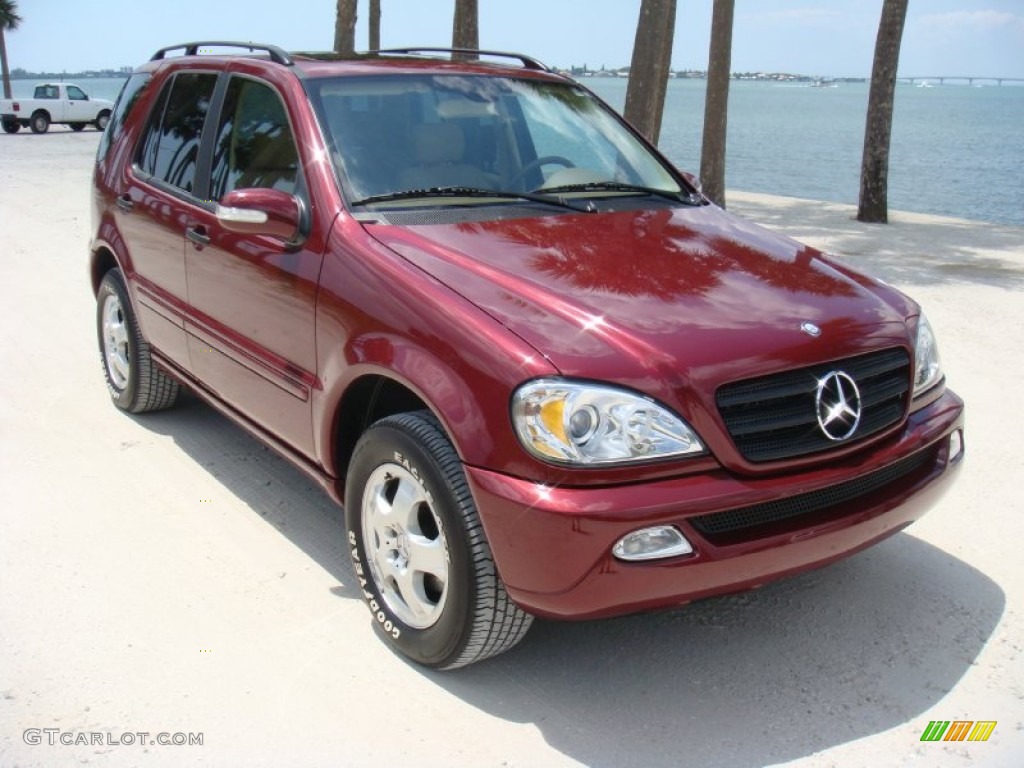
255,211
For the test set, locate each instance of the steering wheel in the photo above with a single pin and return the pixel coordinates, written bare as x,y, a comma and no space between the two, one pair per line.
538,163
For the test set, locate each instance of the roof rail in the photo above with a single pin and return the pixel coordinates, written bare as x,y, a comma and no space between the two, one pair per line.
528,61
192,49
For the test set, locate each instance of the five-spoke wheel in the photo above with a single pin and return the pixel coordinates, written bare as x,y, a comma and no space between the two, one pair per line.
419,550
114,340
134,381
406,547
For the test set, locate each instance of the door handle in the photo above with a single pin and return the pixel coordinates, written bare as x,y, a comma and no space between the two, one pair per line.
124,202
198,235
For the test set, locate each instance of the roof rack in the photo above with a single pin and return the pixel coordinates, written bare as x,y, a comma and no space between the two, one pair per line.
192,49
528,61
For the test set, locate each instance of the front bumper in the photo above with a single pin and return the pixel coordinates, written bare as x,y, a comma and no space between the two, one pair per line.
552,545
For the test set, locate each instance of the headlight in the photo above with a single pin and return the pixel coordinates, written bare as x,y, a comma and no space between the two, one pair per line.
927,368
576,423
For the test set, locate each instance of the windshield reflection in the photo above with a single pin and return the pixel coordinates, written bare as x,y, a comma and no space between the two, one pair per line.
396,133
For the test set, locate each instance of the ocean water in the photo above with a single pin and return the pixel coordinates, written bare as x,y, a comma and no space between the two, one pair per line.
957,150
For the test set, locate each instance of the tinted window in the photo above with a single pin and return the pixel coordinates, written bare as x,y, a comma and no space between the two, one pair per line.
131,92
255,146
170,149
76,93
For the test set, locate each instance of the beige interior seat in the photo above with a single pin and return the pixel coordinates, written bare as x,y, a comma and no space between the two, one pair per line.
438,150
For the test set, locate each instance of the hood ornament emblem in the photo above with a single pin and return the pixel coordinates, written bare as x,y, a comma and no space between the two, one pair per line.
810,329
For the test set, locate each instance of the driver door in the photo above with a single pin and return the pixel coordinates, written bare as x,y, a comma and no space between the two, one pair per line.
77,108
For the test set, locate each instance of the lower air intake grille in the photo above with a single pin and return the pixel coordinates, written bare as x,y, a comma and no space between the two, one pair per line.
734,520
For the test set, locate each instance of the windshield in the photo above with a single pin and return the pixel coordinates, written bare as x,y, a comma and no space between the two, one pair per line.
392,135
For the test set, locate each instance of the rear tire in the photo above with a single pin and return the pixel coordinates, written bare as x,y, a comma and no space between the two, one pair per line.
11,126
40,122
101,120
419,550
135,383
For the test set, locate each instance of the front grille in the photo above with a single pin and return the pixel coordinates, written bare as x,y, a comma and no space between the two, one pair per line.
744,518
775,417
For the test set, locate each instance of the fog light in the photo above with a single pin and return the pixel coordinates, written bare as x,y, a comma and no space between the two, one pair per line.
956,446
652,544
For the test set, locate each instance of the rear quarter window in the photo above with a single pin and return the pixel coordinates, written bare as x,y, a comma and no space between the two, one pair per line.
133,90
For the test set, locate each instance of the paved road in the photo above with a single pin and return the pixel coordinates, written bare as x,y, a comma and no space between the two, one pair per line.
168,574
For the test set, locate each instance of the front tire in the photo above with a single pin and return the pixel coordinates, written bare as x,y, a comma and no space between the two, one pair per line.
419,549
11,126
135,383
40,122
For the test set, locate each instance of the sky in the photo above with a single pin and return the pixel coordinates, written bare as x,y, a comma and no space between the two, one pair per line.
813,37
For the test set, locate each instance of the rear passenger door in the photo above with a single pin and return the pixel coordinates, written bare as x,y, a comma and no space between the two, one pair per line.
157,199
251,328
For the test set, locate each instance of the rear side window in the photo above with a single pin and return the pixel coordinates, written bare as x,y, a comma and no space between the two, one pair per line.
170,149
254,146
131,92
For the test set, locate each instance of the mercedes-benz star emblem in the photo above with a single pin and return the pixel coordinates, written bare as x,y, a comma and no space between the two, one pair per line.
838,404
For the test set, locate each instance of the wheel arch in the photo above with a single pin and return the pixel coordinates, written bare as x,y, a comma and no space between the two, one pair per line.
41,111
370,397
383,374
102,261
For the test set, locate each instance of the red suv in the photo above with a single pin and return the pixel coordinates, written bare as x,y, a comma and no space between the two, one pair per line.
542,373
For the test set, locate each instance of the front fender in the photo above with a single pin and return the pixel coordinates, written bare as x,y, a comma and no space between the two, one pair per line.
377,314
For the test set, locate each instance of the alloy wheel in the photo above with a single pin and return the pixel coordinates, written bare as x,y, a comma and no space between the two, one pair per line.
405,545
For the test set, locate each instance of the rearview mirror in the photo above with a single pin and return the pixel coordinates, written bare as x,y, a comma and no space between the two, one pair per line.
267,212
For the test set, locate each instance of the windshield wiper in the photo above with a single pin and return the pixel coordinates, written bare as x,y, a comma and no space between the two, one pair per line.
618,186
410,194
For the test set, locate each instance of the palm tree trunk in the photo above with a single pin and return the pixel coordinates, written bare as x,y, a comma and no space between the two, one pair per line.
3,65
374,25
716,103
345,27
874,172
648,72
466,26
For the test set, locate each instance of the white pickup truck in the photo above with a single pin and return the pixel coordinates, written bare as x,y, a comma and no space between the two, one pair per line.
54,103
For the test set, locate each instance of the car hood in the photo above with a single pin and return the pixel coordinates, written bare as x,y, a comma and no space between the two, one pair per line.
670,301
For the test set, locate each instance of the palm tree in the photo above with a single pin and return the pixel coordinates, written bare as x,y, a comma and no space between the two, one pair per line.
345,27
716,103
874,172
648,72
374,25
9,19
466,25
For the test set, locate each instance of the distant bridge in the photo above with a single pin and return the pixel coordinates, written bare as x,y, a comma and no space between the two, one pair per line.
960,79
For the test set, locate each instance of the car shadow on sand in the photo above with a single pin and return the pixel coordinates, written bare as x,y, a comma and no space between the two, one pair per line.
854,649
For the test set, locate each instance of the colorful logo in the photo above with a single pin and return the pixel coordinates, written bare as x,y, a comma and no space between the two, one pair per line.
958,730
